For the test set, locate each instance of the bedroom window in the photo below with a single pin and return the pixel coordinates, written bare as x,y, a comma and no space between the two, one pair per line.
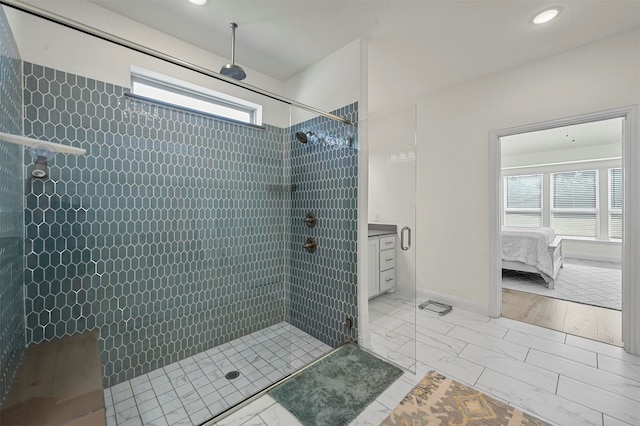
523,200
615,203
574,203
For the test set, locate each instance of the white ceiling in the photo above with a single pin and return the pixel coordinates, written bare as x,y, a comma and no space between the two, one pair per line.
584,135
425,45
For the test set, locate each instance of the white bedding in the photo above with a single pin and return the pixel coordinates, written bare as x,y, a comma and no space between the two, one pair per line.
529,246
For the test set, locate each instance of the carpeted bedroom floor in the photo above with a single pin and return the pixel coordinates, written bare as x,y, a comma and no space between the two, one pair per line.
592,283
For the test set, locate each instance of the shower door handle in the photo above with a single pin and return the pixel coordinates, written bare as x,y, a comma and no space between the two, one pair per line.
406,230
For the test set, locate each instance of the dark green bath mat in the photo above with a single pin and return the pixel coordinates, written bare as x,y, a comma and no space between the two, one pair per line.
338,388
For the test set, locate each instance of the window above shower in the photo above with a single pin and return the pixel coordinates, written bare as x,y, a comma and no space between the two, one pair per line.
161,88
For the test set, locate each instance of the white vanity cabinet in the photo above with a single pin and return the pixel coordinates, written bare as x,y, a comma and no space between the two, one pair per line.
382,264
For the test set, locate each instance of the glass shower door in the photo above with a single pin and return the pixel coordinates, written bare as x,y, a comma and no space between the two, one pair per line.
392,226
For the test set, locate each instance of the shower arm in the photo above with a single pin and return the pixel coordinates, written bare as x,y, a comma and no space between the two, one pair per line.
69,23
233,42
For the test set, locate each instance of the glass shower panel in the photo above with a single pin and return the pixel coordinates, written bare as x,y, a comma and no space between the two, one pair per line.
392,220
11,212
180,237
167,237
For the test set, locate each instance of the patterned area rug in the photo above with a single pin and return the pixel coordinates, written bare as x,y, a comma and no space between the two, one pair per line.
591,285
335,390
437,400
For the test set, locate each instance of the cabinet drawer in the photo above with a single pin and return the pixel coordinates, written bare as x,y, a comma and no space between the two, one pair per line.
387,280
387,243
387,259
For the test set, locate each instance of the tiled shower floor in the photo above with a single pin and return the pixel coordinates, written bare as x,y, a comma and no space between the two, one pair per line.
195,389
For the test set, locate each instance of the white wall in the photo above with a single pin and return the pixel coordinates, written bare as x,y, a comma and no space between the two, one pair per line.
330,83
453,149
52,45
592,250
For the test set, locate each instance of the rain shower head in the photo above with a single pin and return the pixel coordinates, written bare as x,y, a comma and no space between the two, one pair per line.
232,70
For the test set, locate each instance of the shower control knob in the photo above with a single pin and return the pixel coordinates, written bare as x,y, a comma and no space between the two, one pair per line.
310,245
310,220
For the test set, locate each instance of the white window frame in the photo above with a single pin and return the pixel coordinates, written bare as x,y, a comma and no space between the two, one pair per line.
182,94
507,210
613,210
595,210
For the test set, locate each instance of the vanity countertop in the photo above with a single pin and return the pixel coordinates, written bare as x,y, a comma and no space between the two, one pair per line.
377,229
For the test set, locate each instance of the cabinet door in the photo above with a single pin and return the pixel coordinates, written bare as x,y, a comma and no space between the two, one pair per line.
374,267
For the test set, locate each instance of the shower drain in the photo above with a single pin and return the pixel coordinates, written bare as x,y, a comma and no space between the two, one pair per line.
232,375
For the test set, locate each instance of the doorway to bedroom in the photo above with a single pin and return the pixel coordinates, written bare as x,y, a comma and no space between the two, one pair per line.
561,228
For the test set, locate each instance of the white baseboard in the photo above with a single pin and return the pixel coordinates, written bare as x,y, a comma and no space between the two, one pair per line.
364,340
457,302
594,257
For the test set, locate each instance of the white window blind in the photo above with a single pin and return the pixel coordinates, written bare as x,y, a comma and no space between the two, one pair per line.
523,200
574,203
615,203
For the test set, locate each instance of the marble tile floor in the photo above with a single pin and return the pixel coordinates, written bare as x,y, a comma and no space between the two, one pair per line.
563,379
590,282
195,389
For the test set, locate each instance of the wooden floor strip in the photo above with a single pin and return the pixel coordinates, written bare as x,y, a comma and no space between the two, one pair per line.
591,322
58,383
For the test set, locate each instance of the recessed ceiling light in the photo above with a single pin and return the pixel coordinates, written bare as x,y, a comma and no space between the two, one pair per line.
546,16
198,2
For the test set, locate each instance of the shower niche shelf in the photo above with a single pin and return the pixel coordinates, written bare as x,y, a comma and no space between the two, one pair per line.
35,143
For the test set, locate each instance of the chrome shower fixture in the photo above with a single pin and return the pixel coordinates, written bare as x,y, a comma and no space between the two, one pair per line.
41,156
232,70
323,138
304,137
310,220
310,245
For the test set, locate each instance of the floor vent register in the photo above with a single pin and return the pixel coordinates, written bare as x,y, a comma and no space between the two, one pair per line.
440,308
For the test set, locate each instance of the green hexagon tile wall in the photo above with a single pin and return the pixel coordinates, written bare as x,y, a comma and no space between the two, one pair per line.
169,237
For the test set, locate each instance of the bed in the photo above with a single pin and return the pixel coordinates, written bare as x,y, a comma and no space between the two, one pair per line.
537,250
